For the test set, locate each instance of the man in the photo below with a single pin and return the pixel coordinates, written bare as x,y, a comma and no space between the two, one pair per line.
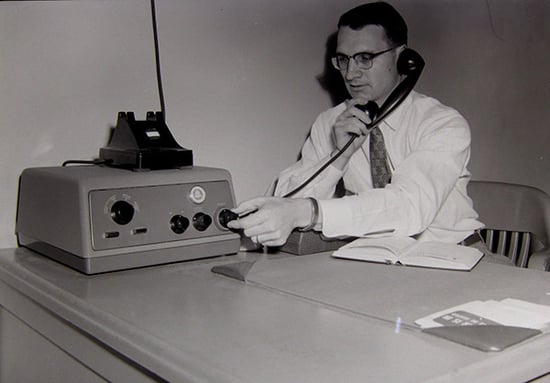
427,144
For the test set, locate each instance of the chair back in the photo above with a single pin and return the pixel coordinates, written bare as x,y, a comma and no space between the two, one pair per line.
516,218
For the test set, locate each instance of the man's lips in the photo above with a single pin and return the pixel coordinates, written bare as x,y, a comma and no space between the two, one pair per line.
358,89
358,86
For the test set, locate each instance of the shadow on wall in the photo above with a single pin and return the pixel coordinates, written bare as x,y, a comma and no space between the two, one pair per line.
331,80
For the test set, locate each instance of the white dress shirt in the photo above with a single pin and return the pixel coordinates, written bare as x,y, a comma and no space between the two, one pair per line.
428,145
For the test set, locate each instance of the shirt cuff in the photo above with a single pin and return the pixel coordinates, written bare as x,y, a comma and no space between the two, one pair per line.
333,212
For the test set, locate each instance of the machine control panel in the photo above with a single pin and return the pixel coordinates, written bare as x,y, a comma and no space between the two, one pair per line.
155,214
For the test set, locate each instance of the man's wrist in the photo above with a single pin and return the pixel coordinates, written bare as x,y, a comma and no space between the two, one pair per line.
314,214
340,162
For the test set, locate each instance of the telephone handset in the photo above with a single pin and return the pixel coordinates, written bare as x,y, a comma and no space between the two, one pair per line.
409,64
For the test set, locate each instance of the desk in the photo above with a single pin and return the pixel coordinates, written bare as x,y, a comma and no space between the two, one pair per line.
297,319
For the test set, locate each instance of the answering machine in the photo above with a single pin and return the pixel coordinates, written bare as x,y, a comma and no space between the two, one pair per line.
143,203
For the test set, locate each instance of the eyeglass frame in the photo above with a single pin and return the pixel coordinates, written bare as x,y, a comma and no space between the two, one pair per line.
372,56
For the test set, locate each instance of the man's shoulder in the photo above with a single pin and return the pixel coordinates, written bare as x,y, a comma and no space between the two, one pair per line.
429,112
429,105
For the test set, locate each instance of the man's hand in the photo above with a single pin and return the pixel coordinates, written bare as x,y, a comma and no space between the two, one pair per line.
352,122
270,220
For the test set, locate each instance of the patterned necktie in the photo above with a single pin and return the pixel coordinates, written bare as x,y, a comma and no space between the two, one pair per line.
381,174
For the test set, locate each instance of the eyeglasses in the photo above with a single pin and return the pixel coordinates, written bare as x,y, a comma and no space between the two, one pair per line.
363,60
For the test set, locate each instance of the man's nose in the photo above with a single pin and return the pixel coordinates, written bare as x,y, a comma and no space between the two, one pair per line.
352,70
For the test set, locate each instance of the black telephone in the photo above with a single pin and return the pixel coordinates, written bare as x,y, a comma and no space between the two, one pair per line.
409,64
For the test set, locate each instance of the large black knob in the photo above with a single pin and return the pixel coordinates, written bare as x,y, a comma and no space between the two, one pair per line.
179,224
202,221
122,212
225,216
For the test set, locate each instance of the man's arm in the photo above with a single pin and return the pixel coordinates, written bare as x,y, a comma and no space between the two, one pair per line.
330,133
270,220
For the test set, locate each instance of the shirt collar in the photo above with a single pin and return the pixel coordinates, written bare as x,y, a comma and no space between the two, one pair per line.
393,120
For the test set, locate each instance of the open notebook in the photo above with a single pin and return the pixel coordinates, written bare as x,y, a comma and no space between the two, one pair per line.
410,252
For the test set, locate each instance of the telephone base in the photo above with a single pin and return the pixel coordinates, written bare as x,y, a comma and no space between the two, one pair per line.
309,242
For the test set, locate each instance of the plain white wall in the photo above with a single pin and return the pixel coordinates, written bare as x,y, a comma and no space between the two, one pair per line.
240,80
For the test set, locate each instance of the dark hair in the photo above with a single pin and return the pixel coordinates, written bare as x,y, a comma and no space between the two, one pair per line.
381,14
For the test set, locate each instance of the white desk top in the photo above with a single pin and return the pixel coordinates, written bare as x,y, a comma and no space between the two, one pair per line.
297,319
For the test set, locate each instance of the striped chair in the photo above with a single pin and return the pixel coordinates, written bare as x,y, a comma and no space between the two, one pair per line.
517,221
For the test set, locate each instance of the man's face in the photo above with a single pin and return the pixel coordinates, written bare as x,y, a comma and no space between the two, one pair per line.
376,83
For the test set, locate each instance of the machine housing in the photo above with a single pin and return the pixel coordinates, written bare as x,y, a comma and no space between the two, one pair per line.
98,219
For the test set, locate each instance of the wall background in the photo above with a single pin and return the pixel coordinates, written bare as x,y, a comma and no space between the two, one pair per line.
240,80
